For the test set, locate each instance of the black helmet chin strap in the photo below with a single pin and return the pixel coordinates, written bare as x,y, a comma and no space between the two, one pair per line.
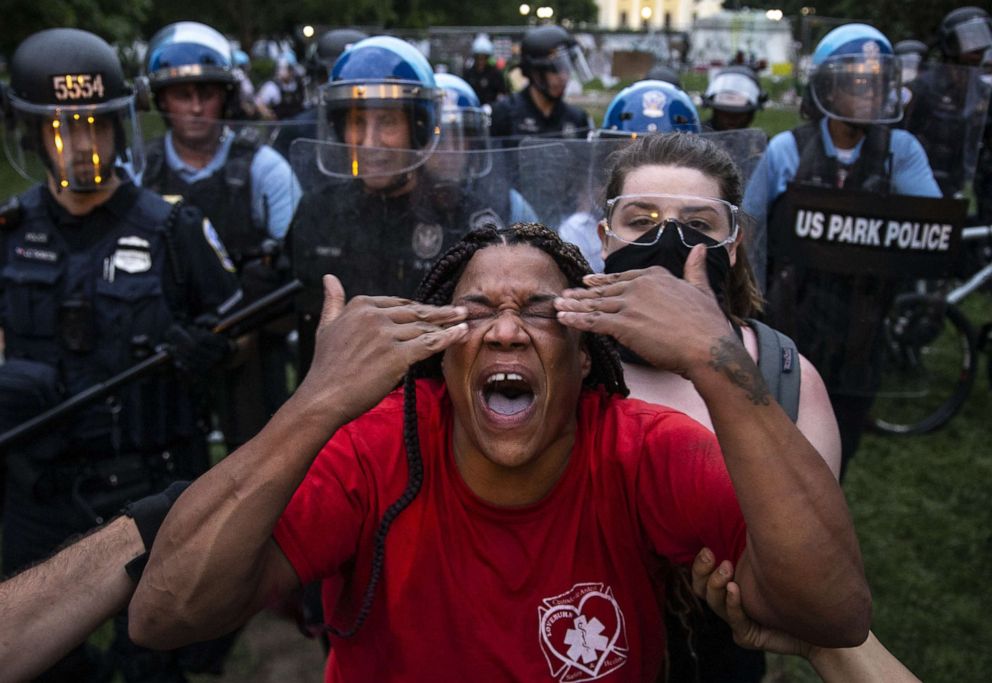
540,84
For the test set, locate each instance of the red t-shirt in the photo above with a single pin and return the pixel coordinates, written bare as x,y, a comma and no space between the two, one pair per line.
565,589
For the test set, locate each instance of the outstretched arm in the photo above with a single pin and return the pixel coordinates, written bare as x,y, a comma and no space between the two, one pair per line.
47,610
867,663
801,570
214,563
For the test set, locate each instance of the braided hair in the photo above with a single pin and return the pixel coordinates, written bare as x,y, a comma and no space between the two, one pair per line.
437,289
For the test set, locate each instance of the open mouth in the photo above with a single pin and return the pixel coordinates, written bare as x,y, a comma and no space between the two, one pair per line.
507,393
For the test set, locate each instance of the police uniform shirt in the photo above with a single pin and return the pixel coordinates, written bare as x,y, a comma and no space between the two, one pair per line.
518,115
911,173
488,84
210,280
275,191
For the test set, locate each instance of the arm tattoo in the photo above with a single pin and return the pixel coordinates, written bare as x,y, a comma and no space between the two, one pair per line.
732,359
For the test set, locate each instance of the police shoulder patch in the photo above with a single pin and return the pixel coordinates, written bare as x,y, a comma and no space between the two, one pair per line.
213,239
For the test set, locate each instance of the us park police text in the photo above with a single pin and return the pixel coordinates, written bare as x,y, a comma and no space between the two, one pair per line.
872,232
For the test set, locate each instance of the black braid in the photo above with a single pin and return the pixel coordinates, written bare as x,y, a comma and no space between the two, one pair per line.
415,477
437,288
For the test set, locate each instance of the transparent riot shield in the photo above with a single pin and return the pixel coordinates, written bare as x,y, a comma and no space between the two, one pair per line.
379,233
746,148
947,110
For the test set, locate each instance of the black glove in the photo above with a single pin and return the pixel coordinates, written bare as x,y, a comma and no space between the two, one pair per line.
148,515
259,277
195,348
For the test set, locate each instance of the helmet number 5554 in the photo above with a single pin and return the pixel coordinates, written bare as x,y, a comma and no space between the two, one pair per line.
77,86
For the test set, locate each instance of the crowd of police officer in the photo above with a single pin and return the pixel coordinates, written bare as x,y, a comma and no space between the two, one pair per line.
126,247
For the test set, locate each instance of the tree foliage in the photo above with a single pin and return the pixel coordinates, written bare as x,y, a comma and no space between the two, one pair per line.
897,19
115,21
248,20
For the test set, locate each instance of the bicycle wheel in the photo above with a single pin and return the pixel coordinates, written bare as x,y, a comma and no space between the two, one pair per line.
928,365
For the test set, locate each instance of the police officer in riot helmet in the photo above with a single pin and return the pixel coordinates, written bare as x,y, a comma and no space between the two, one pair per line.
965,38
549,58
734,95
96,273
327,48
484,77
942,109
373,213
320,60
663,72
244,186
465,128
854,94
911,54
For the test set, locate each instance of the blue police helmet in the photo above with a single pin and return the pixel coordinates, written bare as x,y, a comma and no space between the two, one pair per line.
188,51
650,107
457,92
385,72
856,76
462,107
850,39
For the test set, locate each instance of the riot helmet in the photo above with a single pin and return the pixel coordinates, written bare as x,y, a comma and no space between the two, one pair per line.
663,72
650,107
383,105
482,45
856,76
188,52
736,89
330,45
911,54
549,57
69,112
964,35
463,148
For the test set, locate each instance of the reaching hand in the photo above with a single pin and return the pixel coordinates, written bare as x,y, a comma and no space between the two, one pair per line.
715,584
363,349
669,322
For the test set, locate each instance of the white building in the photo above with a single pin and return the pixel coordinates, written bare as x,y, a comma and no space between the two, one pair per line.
717,38
677,15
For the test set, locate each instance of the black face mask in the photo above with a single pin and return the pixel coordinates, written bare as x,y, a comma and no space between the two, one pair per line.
670,253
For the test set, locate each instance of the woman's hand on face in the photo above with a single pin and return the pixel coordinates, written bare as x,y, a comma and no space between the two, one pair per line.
363,349
670,322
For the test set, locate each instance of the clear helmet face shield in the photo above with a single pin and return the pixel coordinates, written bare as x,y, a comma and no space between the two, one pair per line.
910,67
732,92
859,88
565,63
462,152
377,131
81,148
973,35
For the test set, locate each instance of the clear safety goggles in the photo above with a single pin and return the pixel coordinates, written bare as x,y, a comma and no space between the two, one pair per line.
568,60
698,220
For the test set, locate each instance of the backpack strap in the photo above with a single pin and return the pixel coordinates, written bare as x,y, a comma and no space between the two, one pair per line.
778,360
